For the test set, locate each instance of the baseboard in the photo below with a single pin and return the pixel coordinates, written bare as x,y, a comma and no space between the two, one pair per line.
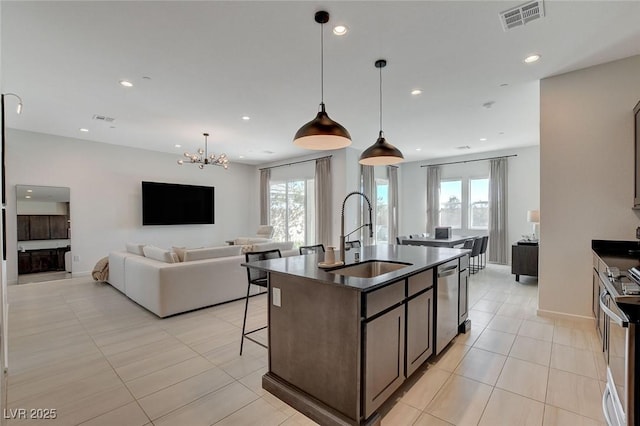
563,315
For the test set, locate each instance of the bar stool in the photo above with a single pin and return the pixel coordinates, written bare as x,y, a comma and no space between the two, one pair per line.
352,244
317,248
259,278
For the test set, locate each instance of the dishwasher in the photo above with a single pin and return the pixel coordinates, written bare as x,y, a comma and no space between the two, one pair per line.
447,304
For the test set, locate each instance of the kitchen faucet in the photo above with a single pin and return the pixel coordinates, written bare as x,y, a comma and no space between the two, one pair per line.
342,234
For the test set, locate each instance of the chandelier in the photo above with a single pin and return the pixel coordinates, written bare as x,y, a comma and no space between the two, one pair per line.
203,158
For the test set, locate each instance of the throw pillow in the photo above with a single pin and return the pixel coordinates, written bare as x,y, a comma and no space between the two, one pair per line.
157,253
211,253
179,251
135,248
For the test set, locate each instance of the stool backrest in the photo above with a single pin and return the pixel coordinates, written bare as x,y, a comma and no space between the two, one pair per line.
317,248
257,276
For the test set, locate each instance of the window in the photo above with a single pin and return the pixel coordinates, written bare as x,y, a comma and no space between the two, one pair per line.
292,209
464,203
479,203
382,211
451,203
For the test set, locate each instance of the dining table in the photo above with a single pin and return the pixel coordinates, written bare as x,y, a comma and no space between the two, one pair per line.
454,240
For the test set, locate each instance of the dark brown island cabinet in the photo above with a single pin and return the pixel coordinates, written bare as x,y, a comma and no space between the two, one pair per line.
342,341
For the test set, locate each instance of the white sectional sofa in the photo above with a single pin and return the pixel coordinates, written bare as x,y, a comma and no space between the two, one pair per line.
166,287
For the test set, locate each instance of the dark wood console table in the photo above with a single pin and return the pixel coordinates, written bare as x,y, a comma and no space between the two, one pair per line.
524,259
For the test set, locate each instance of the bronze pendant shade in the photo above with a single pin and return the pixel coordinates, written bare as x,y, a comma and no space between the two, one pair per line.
381,153
322,133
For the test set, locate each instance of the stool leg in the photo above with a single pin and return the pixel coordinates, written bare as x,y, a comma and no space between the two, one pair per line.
244,321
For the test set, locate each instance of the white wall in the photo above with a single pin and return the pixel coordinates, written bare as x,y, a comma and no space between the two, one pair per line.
587,162
523,193
106,205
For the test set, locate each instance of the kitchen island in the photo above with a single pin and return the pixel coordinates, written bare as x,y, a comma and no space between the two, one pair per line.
342,340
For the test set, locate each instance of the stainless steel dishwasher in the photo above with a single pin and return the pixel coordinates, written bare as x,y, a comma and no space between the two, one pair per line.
447,304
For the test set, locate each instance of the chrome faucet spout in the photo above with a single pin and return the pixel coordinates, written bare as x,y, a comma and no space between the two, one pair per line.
370,224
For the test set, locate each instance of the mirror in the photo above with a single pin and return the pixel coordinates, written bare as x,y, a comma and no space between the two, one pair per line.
44,233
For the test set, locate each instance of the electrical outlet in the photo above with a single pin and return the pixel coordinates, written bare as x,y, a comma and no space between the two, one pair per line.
76,258
276,296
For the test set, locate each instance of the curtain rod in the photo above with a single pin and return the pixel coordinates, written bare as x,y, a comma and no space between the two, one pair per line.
470,161
295,162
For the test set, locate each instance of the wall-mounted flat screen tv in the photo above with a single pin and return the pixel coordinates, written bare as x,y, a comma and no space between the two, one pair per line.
175,204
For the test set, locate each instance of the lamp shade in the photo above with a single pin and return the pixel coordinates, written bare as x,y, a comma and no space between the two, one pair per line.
322,133
381,153
533,216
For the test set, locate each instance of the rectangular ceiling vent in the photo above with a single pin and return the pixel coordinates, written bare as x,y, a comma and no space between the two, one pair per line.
103,118
522,15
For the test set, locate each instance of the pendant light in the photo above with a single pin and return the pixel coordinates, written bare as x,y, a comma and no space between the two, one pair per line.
381,153
322,133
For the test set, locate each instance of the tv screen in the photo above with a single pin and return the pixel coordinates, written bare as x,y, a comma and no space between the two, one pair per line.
175,204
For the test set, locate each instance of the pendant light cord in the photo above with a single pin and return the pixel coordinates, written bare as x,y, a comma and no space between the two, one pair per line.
380,99
322,63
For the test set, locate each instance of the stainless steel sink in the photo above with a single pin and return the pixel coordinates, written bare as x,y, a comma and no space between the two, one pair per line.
369,269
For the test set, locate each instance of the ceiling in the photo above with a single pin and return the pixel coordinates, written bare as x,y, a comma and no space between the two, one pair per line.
200,66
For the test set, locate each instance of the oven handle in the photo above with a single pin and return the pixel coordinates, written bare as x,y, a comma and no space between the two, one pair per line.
617,319
606,395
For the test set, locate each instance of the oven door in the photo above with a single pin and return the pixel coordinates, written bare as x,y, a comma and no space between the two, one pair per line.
616,398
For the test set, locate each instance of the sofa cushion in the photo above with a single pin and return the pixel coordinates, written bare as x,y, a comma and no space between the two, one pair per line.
273,245
242,241
157,253
211,253
135,248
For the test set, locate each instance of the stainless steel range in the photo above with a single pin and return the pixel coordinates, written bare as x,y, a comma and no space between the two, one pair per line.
620,304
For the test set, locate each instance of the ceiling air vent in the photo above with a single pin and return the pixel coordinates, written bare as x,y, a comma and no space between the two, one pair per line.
522,15
103,118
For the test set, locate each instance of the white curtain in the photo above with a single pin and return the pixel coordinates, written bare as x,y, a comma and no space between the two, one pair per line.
433,198
368,186
265,177
498,211
323,200
392,174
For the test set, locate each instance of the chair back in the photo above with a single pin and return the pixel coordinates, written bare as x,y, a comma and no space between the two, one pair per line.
317,248
352,244
485,243
468,244
265,231
400,238
257,276
477,245
415,236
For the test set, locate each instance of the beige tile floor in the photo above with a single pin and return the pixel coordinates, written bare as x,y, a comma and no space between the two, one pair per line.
87,351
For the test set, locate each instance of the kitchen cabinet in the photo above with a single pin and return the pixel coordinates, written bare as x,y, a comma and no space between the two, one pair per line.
384,358
419,324
42,227
463,295
41,260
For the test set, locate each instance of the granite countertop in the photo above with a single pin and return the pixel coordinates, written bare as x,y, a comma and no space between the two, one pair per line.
620,254
420,259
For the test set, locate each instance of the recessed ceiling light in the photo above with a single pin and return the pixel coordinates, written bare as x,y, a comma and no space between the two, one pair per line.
27,196
464,147
126,83
29,190
418,149
531,58
483,139
241,156
83,129
340,30
178,145
416,92
246,118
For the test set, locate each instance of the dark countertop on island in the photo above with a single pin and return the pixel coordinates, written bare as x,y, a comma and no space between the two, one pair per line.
419,258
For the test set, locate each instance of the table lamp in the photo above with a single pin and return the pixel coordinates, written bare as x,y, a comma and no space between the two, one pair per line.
533,217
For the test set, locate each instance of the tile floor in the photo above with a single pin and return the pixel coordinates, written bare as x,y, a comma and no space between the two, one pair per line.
99,359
